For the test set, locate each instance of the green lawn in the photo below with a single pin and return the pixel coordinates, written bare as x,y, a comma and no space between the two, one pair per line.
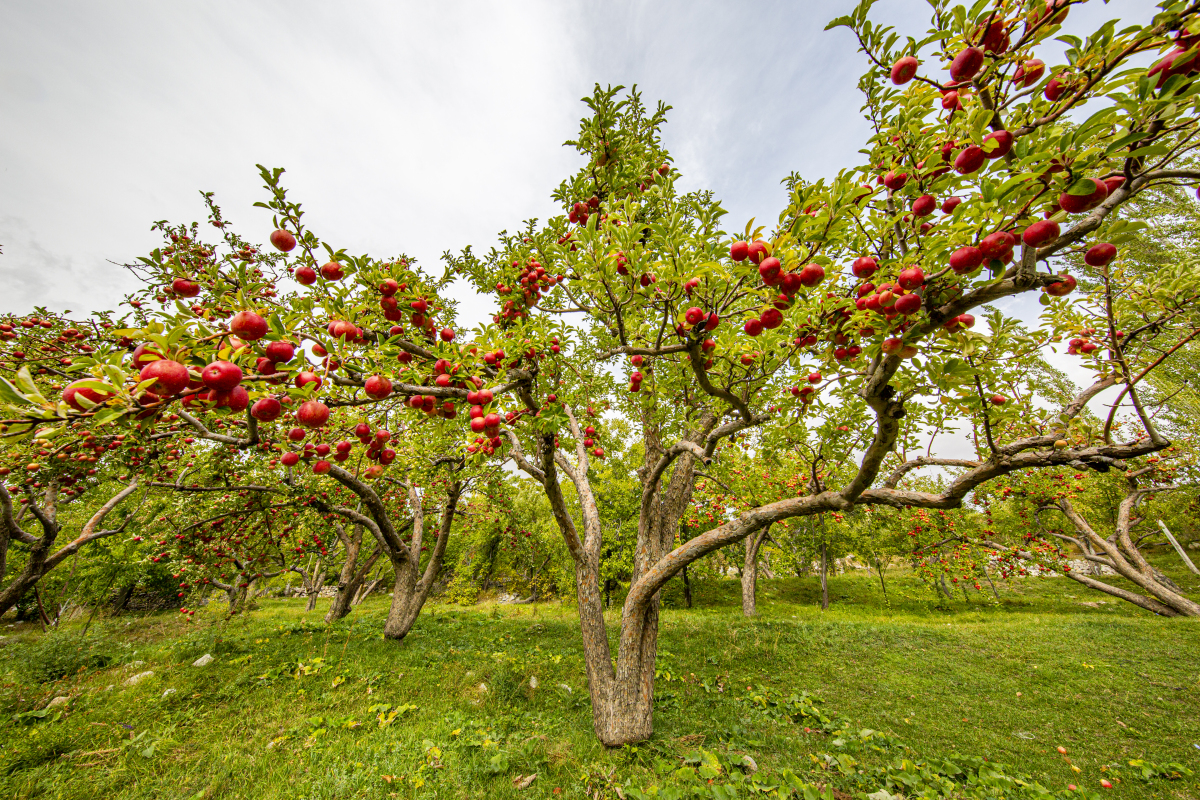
293,709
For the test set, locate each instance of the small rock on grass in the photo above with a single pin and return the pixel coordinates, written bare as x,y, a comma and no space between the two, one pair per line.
61,700
203,661
136,679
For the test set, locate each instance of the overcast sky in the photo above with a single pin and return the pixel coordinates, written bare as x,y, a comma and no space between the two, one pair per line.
414,127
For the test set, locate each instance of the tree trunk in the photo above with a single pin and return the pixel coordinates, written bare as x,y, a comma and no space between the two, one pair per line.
238,595
366,589
882,585
824,577
315,585
122,599
41,560
1162,596
750,571
687,589
409,593
350,579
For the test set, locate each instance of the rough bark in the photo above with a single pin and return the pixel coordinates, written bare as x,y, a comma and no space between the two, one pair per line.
313,584
750,572
1160,595
352,574
411,589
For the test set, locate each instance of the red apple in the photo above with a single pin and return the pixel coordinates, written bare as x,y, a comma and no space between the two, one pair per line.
864,267
924,205
812,274
999,399
1029,73
378,387
997,144
306,275
1056,88
144,354
289,459
283,240
236,399
248,325
771,318
965,259
304,378
911,278
170,377
970,160
694,315
221,376
904,69
266,409
738,251
1061,287
966,64
995,37
908,304
185,288
1100,255
757,251
997,245
312,414
280,352
76,390
1041,233
753,327
768,270
332,271
950,204
895,181
1084,195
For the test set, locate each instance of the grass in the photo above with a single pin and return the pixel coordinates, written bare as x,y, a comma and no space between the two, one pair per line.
293,709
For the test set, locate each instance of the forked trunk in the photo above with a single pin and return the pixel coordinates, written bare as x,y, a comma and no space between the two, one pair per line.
350,581
412,588
1161,595
315,586
750,572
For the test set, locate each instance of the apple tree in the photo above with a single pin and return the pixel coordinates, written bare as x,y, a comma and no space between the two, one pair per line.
986,169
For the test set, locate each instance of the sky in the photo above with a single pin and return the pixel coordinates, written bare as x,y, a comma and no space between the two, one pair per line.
409,127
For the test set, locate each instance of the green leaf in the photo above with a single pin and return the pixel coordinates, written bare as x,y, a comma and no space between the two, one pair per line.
9,394
28,387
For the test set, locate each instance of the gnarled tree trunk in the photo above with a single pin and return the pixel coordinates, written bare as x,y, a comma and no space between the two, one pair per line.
42,555
1159,594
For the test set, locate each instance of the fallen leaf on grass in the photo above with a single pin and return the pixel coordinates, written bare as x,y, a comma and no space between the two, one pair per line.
523,782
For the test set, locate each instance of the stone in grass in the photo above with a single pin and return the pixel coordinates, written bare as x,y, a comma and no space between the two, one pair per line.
168,693
203,661
136,679
61,700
